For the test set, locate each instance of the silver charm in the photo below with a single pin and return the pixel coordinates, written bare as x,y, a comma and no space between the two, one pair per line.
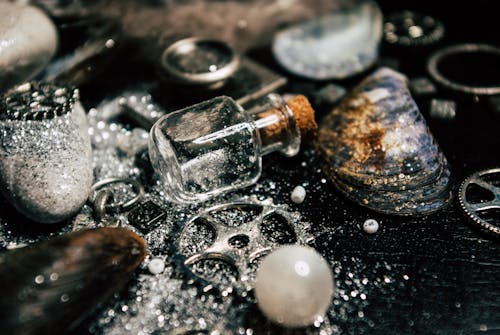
102,198
480,205
198,61
443,109
422,86
45,152
238,234
483,58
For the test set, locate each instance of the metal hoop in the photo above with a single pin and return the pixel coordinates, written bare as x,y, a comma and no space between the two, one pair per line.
436,58
206,78
124,205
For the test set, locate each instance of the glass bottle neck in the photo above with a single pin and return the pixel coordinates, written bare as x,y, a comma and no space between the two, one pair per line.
276,126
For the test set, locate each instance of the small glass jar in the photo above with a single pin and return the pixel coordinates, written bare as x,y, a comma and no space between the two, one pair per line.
216,146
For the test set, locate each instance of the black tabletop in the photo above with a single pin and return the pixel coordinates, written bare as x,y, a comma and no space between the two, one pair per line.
434,274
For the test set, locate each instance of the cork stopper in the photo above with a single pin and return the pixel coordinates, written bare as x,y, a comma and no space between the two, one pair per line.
304,116
285,125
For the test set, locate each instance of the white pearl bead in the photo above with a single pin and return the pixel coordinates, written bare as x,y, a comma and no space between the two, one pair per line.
294,286
156,266
370,226
298,194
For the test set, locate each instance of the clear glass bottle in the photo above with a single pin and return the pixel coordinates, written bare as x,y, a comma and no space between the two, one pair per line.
216,146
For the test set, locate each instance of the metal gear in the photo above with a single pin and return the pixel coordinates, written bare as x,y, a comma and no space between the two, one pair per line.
410,29
218,329
481,211
233,237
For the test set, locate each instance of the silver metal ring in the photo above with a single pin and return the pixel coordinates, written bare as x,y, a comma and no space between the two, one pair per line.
124,205
200,61
439,56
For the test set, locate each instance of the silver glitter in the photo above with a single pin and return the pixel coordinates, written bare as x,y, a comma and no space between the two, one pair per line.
170,302
45,164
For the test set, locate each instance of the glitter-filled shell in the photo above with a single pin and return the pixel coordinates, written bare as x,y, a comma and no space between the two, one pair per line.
379,152
45,152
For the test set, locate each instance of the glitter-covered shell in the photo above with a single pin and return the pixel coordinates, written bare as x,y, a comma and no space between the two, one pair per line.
45,152
52,286
379,152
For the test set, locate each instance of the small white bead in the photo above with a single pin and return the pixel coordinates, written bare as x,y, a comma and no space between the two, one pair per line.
156,266
298,194
370,226
294,286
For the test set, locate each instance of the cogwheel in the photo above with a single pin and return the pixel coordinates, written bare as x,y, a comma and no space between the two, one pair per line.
479,198
220,247
218,329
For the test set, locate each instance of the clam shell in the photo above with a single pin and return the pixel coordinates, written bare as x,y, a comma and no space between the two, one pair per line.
49,288
379,152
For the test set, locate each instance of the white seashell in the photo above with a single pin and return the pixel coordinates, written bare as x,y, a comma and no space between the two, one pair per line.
335,46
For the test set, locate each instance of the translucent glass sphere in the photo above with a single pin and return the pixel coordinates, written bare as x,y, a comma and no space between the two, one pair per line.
294,286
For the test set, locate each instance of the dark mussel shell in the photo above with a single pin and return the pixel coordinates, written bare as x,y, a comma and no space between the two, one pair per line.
379,152
50,287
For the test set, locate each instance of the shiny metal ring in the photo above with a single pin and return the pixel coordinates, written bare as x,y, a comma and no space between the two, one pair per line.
475,210
124,205
439,56
212,73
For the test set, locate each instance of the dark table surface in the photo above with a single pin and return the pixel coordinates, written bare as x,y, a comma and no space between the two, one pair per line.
428,275
453,270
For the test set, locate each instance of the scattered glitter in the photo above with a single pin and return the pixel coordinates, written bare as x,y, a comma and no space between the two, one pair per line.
171,300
